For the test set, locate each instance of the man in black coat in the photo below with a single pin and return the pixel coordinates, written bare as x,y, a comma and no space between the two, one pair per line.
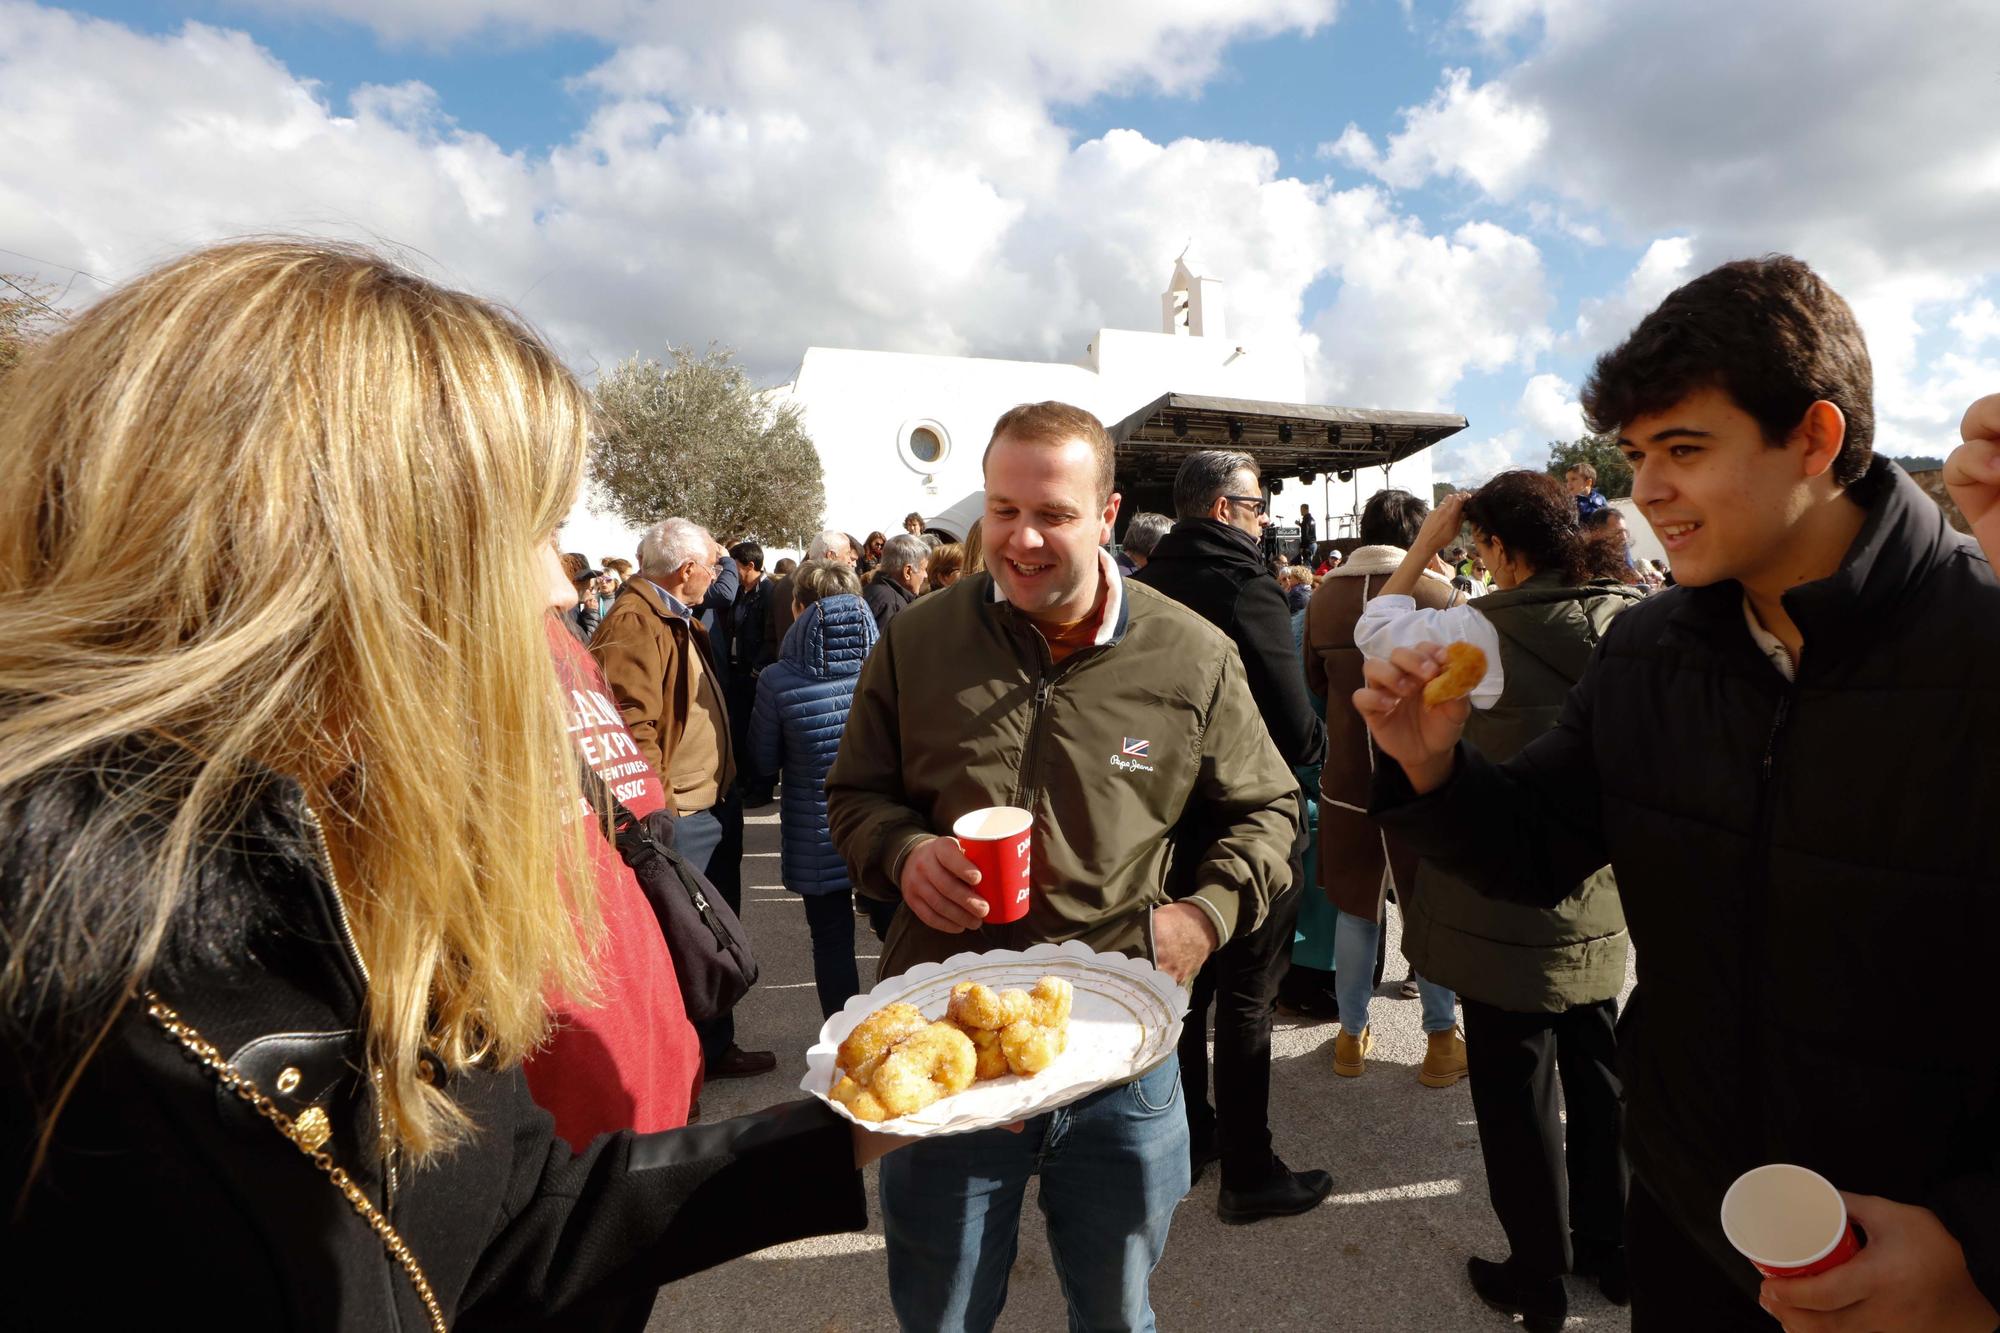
1211,563
1782,758
905,565
747,623
1308,536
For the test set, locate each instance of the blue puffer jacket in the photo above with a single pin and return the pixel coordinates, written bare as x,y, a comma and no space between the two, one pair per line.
802,702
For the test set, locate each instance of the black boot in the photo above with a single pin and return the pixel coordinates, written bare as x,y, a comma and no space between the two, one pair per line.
1541,1302
1284,1193
1606,1263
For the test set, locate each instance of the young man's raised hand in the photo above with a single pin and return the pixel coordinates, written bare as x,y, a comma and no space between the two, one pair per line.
1973,473
1418,737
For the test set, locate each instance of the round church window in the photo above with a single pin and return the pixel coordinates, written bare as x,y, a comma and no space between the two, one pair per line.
924,444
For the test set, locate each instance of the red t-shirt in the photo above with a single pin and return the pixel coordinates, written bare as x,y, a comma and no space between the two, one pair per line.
632,1061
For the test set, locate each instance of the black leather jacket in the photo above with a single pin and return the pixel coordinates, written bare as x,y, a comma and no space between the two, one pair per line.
175,1198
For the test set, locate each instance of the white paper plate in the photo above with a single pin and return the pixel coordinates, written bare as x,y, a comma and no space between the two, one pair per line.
1125,1019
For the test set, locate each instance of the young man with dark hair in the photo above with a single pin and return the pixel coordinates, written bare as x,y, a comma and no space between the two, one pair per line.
1770,756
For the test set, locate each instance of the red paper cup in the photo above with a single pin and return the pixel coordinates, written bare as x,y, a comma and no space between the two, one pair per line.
996,840
1788,1221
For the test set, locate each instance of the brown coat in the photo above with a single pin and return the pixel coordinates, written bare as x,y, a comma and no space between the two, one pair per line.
661,672
1352,849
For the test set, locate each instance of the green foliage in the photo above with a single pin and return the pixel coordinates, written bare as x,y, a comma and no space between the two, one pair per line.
1440,489
25,316
696,439
1614,474
1919,463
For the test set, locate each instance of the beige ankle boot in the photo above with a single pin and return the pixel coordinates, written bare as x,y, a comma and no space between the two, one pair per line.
1444,1062
1350,1052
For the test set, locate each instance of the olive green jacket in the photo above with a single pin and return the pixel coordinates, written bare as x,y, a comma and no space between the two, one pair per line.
1146,736
1527,959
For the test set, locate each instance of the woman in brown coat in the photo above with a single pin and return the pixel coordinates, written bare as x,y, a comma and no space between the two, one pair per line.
1358,865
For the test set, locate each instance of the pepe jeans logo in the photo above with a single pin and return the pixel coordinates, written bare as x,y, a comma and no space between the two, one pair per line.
1132,756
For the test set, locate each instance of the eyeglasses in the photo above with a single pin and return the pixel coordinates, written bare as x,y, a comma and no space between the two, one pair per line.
1256,505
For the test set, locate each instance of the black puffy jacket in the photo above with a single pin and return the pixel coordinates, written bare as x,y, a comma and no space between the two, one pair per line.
1215,571
184,1208
1792,858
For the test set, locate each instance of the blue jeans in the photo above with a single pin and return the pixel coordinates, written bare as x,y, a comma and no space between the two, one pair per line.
830,918
1355,940
1112,1167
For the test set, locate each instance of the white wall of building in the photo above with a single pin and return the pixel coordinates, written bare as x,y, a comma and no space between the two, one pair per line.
862,408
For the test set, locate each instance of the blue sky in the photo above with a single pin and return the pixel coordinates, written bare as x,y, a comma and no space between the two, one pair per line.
1530,174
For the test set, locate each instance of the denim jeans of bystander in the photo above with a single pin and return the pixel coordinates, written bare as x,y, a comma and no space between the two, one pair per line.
1355,941
1112,1168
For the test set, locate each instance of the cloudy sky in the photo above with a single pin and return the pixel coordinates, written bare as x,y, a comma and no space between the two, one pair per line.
1446,205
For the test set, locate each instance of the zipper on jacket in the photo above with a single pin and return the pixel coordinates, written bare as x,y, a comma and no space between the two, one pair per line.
1777,727
1043,687
339,902
1757,933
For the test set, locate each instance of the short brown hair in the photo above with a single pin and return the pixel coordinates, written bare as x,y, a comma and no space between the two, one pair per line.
1055,423
1767,332
1582,469
946,560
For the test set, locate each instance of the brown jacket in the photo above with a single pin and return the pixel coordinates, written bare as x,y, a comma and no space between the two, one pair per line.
1352,849
662,673
1126,748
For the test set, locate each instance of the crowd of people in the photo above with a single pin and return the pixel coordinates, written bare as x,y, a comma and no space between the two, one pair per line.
369,953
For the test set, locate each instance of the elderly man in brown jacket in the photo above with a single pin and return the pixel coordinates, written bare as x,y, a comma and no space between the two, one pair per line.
1357,863
657,659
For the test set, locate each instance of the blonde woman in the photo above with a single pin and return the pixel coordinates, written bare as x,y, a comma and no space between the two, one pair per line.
285,876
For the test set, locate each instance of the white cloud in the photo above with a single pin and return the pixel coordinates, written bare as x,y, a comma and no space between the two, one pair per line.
1416,311
1549,407
881,177
1479,133
1978,323
1602,321
1468,463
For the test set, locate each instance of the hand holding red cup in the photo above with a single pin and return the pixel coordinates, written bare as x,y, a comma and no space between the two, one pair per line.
998,841
1788,1221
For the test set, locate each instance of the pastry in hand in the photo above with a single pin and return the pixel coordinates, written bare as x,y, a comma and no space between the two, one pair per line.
1464,668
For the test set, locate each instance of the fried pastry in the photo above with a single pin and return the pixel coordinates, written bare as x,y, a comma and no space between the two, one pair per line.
875,1034
1030,1048
1464,668
922,1068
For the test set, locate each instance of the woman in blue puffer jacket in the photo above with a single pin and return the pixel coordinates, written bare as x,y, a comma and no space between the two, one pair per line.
802,702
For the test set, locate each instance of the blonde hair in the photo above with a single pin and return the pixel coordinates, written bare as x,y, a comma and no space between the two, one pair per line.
168,464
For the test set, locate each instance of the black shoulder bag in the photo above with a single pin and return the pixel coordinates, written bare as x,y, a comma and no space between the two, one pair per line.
711,953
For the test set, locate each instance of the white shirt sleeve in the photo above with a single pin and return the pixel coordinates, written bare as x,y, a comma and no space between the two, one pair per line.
1388,623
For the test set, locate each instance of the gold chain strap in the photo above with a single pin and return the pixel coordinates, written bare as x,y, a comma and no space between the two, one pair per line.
307,1134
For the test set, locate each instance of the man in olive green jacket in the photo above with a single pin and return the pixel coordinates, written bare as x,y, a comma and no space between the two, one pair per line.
1123,722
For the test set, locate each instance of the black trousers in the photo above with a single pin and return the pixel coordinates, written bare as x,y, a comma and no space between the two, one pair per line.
1676,1285
712,840
1552,1191
1241,982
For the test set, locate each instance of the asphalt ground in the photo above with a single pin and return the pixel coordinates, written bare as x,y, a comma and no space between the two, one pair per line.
1386,1252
